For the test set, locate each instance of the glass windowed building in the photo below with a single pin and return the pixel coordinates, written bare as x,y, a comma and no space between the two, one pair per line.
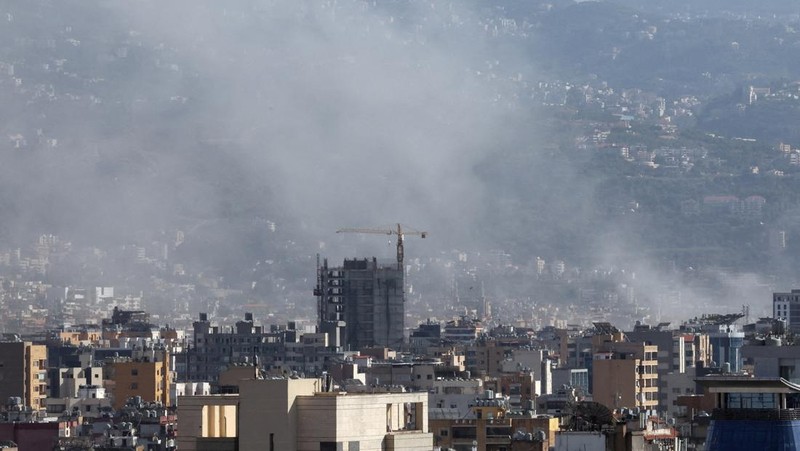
752,413
726,347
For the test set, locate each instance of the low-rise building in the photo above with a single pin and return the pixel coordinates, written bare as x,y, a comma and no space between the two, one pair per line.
146,375
300,415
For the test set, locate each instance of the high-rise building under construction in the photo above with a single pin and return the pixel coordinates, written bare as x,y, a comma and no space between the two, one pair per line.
361,303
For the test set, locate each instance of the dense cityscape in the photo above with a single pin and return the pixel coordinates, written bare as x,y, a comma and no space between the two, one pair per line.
399,225
126,382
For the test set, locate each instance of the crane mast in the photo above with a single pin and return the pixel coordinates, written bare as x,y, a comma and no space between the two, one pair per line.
394,231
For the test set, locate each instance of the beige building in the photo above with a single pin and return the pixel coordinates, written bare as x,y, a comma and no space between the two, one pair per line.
23,373
208,422
145,377
82,335
624,374
297,415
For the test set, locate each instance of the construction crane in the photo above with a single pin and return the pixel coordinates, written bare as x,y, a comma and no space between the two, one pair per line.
398,231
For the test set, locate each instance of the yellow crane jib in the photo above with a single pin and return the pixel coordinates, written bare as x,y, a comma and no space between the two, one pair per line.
399,231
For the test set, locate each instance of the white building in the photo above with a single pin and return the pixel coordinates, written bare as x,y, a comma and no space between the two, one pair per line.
786,307
299,415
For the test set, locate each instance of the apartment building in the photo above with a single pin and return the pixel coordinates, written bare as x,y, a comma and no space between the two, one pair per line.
23,373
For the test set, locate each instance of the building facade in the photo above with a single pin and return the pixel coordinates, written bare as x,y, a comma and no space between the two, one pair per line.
145,376
361,304
786,307
214,348
300,415
23,373
726,348
625,374
752,413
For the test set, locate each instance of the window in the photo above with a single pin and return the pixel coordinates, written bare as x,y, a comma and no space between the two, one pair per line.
134,386
134,371
750,400
468,432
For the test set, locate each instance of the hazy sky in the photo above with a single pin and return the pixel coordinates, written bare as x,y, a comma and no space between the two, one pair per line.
351,117
315,114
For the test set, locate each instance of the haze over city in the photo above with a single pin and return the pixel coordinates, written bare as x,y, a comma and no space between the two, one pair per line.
589,135
374,225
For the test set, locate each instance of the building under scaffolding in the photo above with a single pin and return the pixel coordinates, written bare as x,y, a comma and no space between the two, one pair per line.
361,304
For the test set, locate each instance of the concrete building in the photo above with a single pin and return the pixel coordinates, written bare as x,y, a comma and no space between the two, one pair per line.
361,304
576,378
309,354
489,425
454,397
66,382
486,358
521,388
214,349
774,361
624,374
558,402
208,423
89,402
462,330
86,334
145,376
676,353
297,415
177,389
671,346
23,373
786,307
673,386
536,360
